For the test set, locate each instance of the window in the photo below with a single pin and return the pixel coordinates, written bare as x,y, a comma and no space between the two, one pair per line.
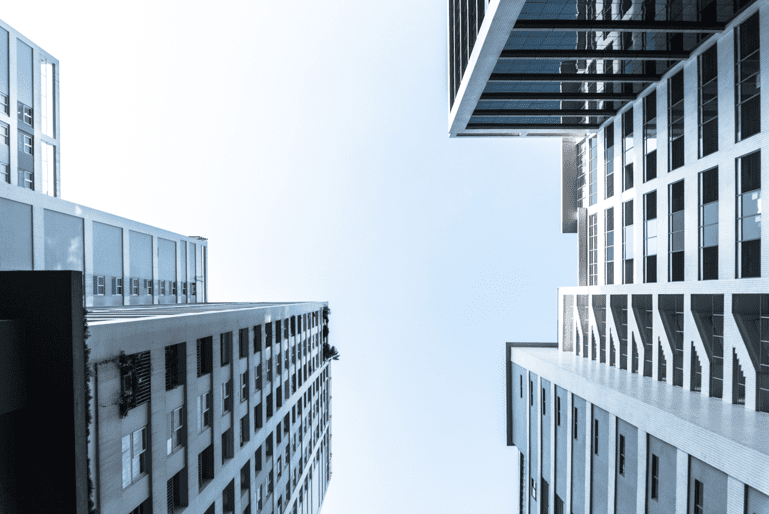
176,425
593,142
581,171
205,467
5,134
676,232
5,174
627,149
184,288
117,286
627,242
576,422
708,225
676,120
245,430
269,406
134,448
134,381
26,179
521,387
650,136
245,477
4,103
25,114
650,237
205,356
558,410
228,443
175,360
134,287
257,338
144,507
27,143
173,287
531,393
194,288
749,216
258,460
608,138
258,415
46,98
243,343
699,497
592,230
609,240
280,466
244,386
98,285
707,100
655,477
162,284
622,455
204,411
544,409
259,504
227,396
747,91
258,377
225,341
148,286
595,436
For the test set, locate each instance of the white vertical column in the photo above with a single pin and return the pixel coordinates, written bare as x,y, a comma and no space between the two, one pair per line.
682,481
553,449
540,436
641,460
527,467
126,269
587,423
612,465
89,250
569,448
38,228
155,275
735,496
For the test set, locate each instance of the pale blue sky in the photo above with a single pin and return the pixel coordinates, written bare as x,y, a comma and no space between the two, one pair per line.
307,141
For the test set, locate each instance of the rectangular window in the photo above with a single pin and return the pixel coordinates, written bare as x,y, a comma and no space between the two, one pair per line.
749,215
117,286
204,411
627,242
245,430
205,356
650,136
98,285
175,360
676,121
627,149
708,224
544,409
708,101
225,341
576,422
173,288
258,416
521,387
148,286
5,173
609,158
593,249
205,467
227,396
27,143
48,162
134,447
655,477
4,104
184,288
581,172
676,232
25,114
609,254
5,134
134,286
747,90
699,497
176,425
162,284
531,393
558,410
595,436
593,142
622,455
46,98
650,237
244,386
228,445
243,343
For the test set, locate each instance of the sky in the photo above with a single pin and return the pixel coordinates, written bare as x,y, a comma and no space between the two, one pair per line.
308,142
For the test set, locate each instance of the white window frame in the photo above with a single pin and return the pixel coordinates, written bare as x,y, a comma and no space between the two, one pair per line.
204,407
173,287
5,133
100,289
225,396
134,447
134,287
244,386
117,286
177,435
162,287
28,145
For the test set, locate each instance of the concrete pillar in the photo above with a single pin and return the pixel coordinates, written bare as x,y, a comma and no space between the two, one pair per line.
569,449
612,462
641,459
587,423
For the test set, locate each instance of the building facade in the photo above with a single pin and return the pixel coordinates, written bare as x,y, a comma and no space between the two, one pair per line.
655,397
210,408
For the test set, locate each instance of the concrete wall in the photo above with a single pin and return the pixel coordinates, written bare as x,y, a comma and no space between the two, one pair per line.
756,502
599,469
715,486
578,450
627,482
562,433
666,501
16,236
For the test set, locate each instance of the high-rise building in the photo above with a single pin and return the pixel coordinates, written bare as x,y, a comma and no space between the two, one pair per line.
123,262
655,397
130,405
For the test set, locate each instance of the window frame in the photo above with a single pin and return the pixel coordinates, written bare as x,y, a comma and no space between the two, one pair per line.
135,457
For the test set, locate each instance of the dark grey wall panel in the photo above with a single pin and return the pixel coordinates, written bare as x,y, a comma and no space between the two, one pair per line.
715,487
4,61
63,241
600,462
757,502
193,262
166,260
140,255
534,443
183,260
578,456
519,407
24,73
562,433
16,236
665,503
627,482
107,250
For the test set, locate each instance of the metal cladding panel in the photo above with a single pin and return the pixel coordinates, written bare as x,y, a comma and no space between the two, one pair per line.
63,241
548,405
582,246
578,456
562,433
519,408
4,61
183,260
715,487
193,262
140,254
166,259
16,236
25,160
534,439
626,483
757,502
24,73
600,468
666,497
107,250
568,189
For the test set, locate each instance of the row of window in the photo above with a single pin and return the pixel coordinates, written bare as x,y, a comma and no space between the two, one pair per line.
165,287
747,236
747,117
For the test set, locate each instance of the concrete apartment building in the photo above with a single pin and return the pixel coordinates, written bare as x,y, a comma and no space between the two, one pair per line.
123,262
140,383
655,397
